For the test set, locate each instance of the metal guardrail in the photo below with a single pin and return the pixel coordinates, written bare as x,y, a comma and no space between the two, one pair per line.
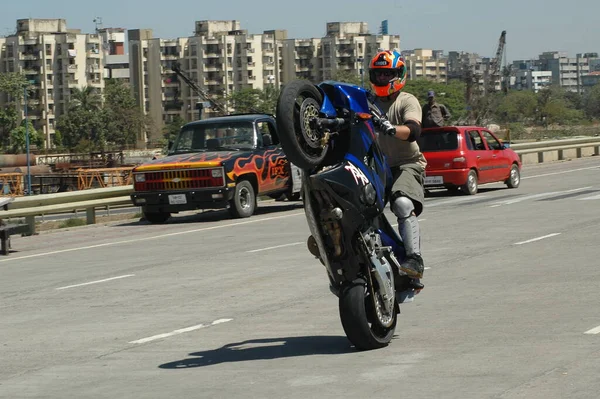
541,148
589,141
47,204
91,199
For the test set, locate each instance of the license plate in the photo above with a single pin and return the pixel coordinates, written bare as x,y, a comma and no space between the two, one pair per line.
177,199
433,180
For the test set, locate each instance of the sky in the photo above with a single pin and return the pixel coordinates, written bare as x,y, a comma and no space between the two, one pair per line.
533,26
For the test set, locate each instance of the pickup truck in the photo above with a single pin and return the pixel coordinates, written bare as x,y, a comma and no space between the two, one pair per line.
216,163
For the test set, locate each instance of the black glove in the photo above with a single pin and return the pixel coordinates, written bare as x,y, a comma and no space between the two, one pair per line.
383,125
386,127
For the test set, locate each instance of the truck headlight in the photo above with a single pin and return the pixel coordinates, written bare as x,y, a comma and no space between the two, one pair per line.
217,172
140,178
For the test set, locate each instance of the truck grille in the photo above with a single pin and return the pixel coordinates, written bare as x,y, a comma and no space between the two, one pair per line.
180,180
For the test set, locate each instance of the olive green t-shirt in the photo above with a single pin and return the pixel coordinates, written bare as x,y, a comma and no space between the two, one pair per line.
399,152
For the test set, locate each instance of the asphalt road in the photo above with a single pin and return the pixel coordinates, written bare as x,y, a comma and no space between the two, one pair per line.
209,307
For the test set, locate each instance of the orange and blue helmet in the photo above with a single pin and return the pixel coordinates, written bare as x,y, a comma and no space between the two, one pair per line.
387,73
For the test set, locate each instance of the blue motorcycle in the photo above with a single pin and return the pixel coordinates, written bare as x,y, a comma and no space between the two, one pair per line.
329,131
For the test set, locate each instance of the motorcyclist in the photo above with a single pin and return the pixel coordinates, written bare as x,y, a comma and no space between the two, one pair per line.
398,132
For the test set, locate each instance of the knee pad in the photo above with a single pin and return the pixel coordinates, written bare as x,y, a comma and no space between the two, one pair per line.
403,207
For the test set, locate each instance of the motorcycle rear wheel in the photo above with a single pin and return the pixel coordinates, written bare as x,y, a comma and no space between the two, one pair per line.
298,102
359,321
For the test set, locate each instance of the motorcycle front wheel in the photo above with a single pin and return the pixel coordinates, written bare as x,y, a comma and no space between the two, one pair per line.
359,320
299,102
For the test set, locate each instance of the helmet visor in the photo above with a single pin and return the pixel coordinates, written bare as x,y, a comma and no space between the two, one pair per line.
383,76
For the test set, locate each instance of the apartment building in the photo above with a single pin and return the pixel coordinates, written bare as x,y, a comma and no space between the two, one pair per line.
221,58
556,68
218,59
55,60
348,47
426,64
116,62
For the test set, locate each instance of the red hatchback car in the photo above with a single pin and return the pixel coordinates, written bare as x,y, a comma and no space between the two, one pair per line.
463,157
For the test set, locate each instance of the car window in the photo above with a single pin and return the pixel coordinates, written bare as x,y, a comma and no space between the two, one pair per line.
231,135
468,141
265,127
493,144
476,140
438,141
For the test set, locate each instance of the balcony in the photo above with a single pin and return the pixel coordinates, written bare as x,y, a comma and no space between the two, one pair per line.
31,56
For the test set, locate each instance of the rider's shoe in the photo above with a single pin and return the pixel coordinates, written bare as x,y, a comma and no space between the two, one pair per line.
413,266
415,285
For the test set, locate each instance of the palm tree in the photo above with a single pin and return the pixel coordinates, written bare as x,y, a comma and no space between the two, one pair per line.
85,98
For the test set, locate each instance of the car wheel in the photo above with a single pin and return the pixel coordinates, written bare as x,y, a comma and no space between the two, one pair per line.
514,179
471,186
243,203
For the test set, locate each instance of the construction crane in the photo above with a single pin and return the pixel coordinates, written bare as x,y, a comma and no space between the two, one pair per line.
494,73
204,96
478,96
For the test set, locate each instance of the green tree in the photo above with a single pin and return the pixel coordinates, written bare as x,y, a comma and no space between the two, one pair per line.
18,138
82,130
349,77
516,106
245,100
11,85
171,129
122,117
555,108
86,98
254,100
591,103
451,94
269,97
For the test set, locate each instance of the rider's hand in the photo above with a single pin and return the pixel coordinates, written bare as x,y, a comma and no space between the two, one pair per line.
387,128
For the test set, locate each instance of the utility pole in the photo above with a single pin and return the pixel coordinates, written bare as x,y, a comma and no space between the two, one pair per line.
27,143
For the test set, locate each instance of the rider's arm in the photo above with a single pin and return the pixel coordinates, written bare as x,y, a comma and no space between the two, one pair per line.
410,131
410,112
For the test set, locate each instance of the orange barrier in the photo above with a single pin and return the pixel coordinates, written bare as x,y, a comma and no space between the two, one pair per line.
104,177
11,184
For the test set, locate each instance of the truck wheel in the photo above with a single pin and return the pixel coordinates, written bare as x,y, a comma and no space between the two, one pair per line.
243,203
157,217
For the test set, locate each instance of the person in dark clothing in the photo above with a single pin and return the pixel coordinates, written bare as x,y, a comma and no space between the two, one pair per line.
434,113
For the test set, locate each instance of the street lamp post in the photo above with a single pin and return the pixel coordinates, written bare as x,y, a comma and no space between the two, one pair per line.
27,144
362,75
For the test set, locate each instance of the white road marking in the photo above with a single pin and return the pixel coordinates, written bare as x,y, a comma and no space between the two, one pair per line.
537,239
95,282
108,244
275,247
535,196
593,197
427,268
593,331
559,173
180,331
455,200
